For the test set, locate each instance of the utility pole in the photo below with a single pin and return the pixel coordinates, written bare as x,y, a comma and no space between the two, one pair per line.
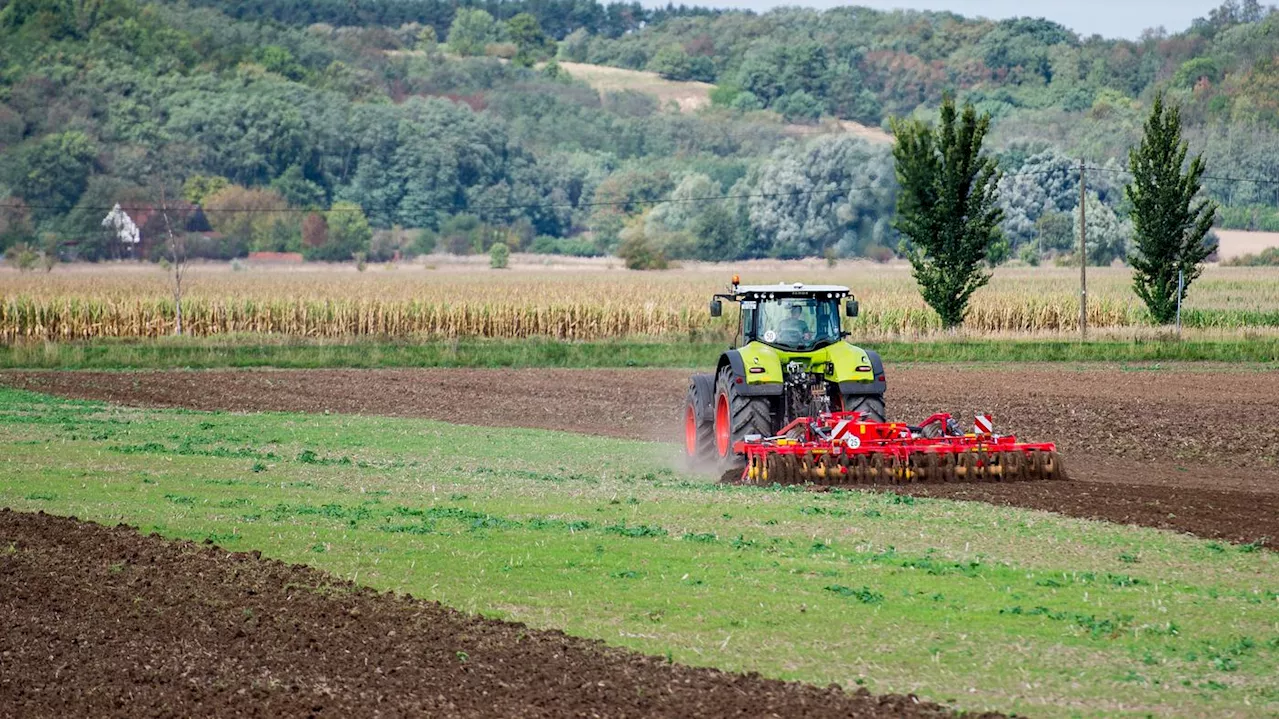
1083,260
1178,316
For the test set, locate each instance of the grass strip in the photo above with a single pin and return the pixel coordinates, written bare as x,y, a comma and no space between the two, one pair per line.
254,351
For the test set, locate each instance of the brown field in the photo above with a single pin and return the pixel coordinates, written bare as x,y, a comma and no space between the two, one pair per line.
107,623
1190,448
687,95
691,96
1233,243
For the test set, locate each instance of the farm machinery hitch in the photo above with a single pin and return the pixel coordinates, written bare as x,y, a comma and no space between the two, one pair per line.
838,448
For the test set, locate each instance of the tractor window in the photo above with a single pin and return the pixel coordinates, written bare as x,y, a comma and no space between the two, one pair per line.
799,323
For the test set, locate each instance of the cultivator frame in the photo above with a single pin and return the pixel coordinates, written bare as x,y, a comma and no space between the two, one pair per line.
838,448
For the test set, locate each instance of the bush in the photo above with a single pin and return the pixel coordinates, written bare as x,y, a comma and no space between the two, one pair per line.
392,244
425,242
22,256
1029,255
640,251
724,95
348,234
1269,257
799,106
462,233
746,102
499,256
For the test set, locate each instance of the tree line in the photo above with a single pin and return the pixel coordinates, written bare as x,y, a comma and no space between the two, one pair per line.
441,145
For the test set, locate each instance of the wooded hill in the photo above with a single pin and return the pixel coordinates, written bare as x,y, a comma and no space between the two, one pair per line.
425,124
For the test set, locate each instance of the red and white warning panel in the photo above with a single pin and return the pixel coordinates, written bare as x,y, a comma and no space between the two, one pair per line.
982,424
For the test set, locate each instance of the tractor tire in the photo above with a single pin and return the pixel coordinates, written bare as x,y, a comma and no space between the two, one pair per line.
736,416
870,405
698,421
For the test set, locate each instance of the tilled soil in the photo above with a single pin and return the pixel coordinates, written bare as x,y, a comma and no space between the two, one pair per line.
105,622
1192,449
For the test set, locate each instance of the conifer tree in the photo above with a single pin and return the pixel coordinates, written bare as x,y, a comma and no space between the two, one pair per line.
947,210
1169,222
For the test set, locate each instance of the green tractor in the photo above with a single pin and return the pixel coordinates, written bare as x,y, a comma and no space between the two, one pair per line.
790,360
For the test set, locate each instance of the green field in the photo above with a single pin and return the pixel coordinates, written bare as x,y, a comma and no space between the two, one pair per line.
966,603
257,351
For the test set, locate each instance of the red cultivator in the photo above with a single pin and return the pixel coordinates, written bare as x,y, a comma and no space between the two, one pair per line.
839,448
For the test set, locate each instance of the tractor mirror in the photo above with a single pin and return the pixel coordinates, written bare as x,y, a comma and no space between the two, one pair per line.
715,308
851,308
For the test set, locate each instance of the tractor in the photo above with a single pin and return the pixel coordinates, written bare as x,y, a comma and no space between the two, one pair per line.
791,401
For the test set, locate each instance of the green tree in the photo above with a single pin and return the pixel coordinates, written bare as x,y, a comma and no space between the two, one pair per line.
640,249
282,233
53,172
471,31
424,242
297,190
349,233
197,187
15,223
462,233
244,216
1106,236
672,63
1169,223
799,106
50,245
531,43
22,256
837,192
1053,232
553,71
427,41
716,234
575,46
947,211
499,256
280,61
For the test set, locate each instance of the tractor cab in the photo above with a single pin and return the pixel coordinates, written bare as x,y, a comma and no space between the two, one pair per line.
789,317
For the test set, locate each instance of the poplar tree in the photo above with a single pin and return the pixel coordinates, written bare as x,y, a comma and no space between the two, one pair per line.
947,212
1169,222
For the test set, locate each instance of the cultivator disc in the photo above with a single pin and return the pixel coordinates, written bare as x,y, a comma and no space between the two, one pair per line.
840,449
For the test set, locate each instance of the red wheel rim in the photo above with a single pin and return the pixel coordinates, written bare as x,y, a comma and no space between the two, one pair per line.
690,432
722,425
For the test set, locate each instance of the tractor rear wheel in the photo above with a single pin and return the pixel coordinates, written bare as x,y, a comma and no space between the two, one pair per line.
736,416
870,405
698,421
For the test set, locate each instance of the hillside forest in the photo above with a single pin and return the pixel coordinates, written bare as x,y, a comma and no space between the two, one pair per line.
389,128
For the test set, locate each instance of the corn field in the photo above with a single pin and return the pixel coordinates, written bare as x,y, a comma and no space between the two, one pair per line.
589,303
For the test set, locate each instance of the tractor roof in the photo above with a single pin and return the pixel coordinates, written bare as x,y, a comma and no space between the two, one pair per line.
783,289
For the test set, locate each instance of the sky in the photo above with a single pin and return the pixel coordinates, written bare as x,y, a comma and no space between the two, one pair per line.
1109,18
